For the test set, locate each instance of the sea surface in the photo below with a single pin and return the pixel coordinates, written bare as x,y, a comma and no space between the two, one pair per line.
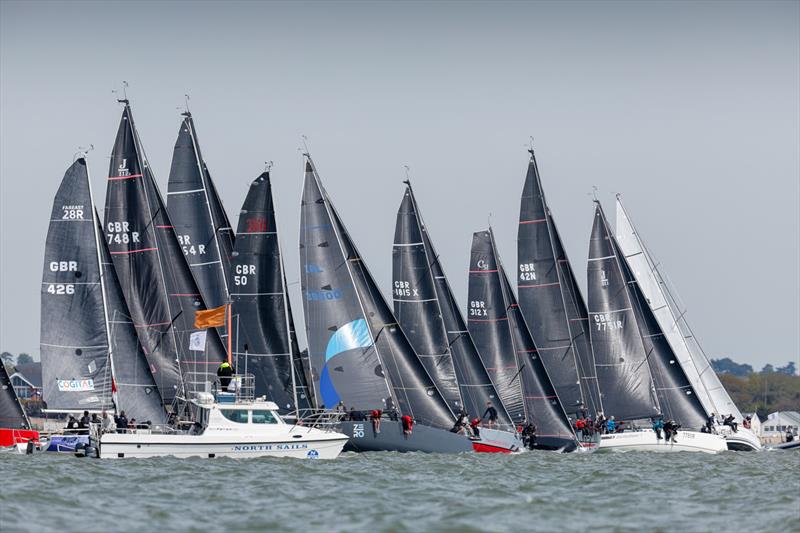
537,491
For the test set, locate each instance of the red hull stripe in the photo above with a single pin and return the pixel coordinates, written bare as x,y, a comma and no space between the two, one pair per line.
488,448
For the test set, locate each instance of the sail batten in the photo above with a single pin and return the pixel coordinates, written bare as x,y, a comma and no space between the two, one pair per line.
551,302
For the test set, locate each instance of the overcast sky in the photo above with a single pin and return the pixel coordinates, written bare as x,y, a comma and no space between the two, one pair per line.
690,110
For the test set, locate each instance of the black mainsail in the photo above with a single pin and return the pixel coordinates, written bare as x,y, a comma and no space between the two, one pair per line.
135,389
359,354
623,373
12,415
418,275
551,302
156,279
505,343
263,331
200,221
76,369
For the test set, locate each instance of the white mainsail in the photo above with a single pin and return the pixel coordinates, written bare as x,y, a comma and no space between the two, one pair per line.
672,320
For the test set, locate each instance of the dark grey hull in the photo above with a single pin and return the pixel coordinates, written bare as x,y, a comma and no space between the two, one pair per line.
363,438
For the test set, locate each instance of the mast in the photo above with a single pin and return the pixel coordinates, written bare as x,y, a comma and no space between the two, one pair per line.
551,302
623,372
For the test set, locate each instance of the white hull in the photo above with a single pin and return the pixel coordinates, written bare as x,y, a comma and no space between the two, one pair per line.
143,446
646,441
742,440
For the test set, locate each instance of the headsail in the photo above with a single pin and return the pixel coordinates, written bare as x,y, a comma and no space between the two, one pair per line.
671,319
262,338
622,370
475,386
76,370
12,415
356,347
159,287
200,221
551,302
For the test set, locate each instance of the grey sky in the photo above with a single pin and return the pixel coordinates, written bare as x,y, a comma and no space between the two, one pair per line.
689,109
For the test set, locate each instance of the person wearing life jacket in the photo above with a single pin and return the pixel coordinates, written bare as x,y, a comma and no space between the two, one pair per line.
408,425
474,426
224,373
375,417
611,425
491,413
747,422
658,426
461,422
580,425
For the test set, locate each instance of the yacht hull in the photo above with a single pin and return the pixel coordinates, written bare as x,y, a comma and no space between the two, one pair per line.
646,440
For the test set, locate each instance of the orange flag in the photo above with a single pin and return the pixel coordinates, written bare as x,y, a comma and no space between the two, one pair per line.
211,318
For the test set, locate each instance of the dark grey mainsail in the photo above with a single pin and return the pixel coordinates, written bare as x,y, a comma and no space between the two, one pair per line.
156,279
76,370
676,396
487,319
200,221
262,337
416,304
134,389
502,332
356,347
473,380
12,415
623,373
551,302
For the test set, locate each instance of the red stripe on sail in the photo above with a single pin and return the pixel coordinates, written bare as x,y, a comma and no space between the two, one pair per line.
134,251
537,286
117,178
535,221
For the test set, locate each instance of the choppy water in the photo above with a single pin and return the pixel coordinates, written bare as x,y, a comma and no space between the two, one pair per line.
538,491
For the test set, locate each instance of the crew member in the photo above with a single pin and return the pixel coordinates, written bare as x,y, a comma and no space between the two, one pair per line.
492,414
375,417
224,373
474,426
408,425
611,425
658,426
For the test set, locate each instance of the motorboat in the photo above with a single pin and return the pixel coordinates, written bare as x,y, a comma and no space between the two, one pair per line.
227,426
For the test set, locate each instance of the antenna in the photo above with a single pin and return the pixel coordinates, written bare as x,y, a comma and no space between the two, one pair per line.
489,220
82,152
407,181
530,145
124,91
304,140
267,166
186,113
594,192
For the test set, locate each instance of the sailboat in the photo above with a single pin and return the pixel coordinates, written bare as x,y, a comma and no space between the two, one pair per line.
509,352
15,427
157,281
264,339
91,358
201,224
676,331
361,359
638,376
428,312
551,302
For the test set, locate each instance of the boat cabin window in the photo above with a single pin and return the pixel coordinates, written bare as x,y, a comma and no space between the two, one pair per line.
264,417
235,415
